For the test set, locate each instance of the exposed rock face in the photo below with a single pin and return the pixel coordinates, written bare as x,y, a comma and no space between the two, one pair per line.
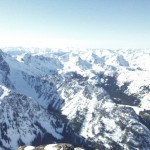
145,118
4,70
61,146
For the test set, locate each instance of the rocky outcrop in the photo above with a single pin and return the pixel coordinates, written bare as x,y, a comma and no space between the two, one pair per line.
61,146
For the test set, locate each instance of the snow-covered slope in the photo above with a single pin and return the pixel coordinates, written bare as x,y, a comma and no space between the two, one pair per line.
104,94
22,120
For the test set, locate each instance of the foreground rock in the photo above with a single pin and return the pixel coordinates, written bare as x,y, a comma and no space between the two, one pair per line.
61,146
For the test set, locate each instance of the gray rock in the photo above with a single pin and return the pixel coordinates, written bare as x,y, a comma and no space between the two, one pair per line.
61,146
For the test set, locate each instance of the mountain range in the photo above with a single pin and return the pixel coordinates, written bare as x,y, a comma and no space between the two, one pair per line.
93,98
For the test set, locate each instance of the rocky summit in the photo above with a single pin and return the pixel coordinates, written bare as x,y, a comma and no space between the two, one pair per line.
95,99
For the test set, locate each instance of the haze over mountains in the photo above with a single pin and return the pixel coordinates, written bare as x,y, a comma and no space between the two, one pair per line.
96,99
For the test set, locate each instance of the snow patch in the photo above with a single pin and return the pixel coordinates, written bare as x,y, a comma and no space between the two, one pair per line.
51,147
29,148
3,92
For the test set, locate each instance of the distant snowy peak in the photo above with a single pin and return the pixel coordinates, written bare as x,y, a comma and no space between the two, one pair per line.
126,58
42,63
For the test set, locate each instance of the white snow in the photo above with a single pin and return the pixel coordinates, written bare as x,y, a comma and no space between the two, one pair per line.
50,147
4,92
29,148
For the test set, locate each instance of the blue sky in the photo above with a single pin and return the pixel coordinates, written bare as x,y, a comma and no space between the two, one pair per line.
77,23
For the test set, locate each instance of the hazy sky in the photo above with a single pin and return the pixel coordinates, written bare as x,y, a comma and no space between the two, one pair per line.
78,23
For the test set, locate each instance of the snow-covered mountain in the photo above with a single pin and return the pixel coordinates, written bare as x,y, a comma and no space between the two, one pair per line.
96,98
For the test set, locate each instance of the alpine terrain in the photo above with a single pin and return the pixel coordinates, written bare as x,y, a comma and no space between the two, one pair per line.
94,98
